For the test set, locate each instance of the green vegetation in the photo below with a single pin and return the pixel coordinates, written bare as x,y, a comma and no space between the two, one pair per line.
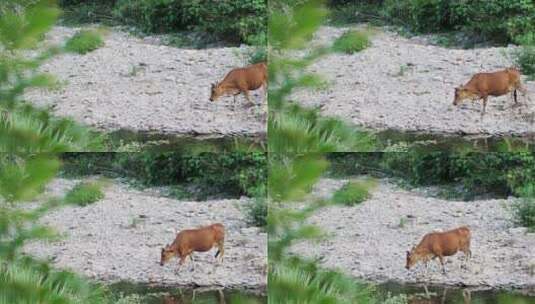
230,174
501,174
25,128
297,136
25,131
84,41
351,42
524,213
84,193
501,21
525,59
32,282
257,212
242,21
353,193
311,284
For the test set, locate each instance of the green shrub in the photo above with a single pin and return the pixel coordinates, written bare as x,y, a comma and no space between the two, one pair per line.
352,193
524,213
84,193
259,54
257,211
351,42
525,59
84,41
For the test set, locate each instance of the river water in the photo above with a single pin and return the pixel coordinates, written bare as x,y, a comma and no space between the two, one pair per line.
419,294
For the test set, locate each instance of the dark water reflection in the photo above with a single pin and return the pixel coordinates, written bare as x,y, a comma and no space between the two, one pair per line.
169,142
140,293
456,143
454,295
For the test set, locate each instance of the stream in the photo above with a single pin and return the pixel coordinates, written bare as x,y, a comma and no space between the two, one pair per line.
430,142
168,142
140,293
417,294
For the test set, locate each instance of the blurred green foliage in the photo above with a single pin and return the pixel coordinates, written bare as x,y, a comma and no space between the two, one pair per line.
297,136
24,172
293,128
25,128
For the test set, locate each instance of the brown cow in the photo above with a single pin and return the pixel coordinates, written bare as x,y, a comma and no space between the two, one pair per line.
241,80
483,85
440,244
201,240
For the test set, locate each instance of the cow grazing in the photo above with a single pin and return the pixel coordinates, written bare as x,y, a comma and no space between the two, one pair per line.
483,85
440,244
201,240
241,80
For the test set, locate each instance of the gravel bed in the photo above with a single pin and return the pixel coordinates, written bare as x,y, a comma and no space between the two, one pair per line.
120,237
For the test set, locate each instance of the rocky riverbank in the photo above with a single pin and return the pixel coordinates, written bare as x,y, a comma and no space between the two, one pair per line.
138,85
369,240
119,238
408,85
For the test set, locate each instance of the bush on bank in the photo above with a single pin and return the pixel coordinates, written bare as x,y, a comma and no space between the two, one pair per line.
501,21
230,174
498,173
236,21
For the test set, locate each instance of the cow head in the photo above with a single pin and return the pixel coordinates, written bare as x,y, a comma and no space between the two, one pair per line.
216,91
167,253
461,93
411,259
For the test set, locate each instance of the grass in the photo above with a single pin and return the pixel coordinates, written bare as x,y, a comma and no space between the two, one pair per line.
353,193
84,193
402,222
524,213
84,41
351,42
402,70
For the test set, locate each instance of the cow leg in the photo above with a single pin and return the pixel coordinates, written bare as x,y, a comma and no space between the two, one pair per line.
181,262
221,250
192,261
484,99
467,255
441,260
265,90
248,97
524,92
426,264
